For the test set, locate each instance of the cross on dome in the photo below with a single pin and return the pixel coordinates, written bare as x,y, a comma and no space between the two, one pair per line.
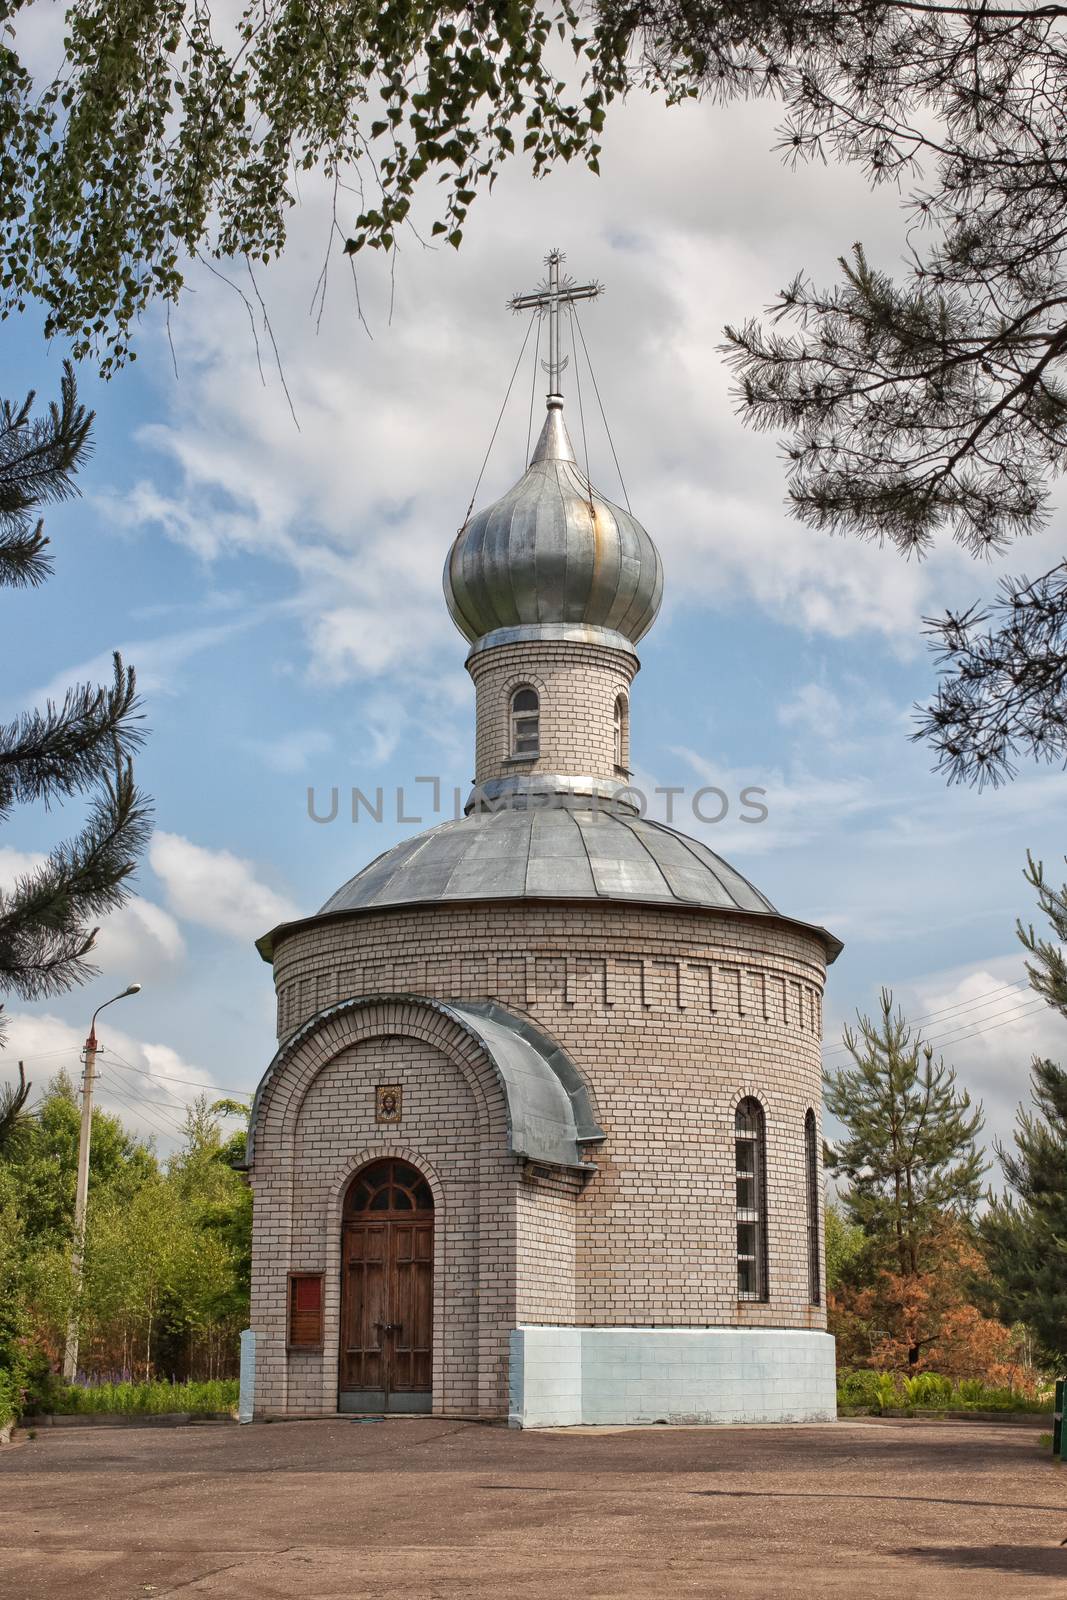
552,294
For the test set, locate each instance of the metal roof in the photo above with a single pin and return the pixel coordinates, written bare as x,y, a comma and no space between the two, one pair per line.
553,552
569,853
550,1114
566,853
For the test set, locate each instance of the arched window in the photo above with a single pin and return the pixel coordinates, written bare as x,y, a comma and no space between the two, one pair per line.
390,1186
811,1182
525,722
751,1167
622,733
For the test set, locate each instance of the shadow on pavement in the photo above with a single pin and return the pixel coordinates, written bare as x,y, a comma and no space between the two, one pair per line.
1031,1560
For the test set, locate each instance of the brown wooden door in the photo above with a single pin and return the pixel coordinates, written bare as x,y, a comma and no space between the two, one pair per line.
387,1291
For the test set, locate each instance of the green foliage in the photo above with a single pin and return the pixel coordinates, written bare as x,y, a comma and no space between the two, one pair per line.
929,1391
845,1242
145,1399
167,1254
165,136
908,1152
1024,1233
860,1389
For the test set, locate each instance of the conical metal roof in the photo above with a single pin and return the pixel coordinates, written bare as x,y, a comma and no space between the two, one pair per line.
553,553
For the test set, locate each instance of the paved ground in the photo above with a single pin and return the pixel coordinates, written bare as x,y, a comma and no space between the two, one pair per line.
428,1510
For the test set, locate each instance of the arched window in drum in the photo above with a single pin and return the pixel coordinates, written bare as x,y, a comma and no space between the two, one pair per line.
750,1161
525,722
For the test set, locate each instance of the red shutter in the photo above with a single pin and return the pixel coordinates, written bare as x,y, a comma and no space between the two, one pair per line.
305,1311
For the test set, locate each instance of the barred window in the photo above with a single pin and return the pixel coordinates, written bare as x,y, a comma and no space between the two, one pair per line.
811,1175
525,722
751,1167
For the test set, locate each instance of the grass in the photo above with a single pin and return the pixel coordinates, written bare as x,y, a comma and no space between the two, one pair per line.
145,1399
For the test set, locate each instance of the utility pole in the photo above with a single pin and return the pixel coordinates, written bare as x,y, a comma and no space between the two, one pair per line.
81,1193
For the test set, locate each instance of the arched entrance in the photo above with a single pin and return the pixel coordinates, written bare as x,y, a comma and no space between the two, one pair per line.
386,1354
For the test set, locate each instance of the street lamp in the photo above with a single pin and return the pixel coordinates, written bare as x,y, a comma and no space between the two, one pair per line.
81,1195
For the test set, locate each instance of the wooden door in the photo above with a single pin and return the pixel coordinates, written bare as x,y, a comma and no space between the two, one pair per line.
387,1291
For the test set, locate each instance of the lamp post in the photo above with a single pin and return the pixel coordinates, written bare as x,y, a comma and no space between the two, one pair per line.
81,1194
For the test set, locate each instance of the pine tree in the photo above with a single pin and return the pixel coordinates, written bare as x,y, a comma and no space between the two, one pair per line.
1024,1234
82,747
908,1151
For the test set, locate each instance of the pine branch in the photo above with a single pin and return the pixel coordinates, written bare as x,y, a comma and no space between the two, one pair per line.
1004,689
14,1118
38,460
45,920
57,752
23,561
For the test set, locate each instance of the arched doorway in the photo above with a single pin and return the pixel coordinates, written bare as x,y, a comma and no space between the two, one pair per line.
386,1354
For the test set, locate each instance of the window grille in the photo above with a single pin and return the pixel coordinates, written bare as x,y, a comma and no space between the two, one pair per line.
751,1168
525,723
811,1174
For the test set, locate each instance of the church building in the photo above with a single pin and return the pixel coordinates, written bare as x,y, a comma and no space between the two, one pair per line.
541,1141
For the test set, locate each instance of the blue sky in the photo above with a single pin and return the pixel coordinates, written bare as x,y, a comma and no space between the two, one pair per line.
278,589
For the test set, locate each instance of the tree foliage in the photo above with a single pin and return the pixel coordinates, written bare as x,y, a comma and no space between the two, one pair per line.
926,1320
168,1248
926,401
167,135
1005,688
1024,1233
908,1152
83,747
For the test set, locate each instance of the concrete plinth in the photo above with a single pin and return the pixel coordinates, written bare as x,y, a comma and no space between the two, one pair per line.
564,1376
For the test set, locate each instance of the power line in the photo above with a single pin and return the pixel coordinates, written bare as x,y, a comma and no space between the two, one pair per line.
988,1026
962,1005
154,1121
1013,1017
186,1083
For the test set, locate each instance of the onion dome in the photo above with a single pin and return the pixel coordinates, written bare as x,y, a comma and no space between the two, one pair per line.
553,559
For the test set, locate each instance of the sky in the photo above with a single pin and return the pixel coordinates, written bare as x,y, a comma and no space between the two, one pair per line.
268,555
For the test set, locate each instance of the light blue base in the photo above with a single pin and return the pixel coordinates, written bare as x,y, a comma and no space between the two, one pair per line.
560,1377
247,1394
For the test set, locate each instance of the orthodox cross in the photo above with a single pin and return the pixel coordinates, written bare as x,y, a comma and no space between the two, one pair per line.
552,294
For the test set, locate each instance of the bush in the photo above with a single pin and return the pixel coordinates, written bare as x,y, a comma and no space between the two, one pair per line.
928,1389
883,1391
859,1389
10,1398
146,1399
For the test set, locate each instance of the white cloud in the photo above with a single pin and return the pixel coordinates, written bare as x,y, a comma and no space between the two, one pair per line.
156,660
361,503
137,942
216,888
986,1022
147,1085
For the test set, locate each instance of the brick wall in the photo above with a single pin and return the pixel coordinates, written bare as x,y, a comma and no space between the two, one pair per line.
673,1016
316,1129
578,685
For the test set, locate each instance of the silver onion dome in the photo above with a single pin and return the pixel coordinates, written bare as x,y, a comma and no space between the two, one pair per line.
553,558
